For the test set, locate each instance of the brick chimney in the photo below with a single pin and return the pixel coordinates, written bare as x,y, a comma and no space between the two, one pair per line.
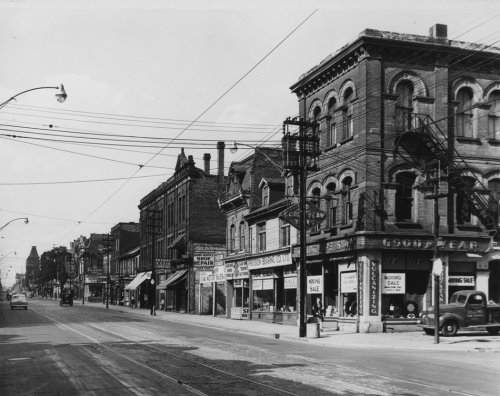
206,161
439,31
220,158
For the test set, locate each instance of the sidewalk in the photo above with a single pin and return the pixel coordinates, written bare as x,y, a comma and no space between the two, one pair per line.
465,341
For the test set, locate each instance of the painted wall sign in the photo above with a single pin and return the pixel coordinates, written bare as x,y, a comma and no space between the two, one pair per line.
348,282
313,250
461,280
204,259
360,288
315,284
163,263
273,260
374,288
344,244
393,283
267,284
291,283
257,284
396,243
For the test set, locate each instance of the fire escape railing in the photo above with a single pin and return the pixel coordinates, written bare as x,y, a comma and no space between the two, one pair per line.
437,143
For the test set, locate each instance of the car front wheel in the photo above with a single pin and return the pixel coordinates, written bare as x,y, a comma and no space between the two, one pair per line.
450,328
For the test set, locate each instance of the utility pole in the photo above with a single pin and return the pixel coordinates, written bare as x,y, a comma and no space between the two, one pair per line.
153,222
307,142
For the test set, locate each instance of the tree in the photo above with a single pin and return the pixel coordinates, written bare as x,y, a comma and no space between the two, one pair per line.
53,265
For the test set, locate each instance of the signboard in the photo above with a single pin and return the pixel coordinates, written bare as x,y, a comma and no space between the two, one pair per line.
461,280
219,273
374,288
267,284
163,263
204,259
291,283
273,260
348,282
238,283
393,283
237,270
245,313
291,271
95,271
206,276
257,285
360,288
314,216
315,284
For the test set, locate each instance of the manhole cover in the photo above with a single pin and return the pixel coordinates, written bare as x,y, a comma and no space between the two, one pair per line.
19,359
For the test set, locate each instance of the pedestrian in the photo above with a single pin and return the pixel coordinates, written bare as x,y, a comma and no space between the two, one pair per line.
317,309
132,301
152,306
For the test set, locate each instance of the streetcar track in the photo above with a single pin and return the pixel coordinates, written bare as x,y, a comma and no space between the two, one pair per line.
145,343
313,361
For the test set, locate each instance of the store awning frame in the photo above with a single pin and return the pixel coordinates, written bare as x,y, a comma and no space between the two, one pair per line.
178,243
137,280
174,279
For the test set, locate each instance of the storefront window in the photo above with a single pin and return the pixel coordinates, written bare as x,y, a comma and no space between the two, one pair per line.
241,293
263,285
313,269
95,291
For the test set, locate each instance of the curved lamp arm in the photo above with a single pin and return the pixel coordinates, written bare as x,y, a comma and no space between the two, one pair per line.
60,96
26,221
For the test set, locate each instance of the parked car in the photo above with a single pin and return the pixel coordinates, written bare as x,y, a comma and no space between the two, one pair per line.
66,298
18,301
467,309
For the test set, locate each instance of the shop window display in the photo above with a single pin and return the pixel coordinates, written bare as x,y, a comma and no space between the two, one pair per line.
95,291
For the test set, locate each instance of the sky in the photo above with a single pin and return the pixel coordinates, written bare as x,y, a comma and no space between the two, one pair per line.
139,73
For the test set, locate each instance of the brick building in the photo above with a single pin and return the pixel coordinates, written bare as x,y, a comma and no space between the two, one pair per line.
32,267
179,220
403,117
258,243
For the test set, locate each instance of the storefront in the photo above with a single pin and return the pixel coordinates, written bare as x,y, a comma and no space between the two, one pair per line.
137,291
273,296
173,292
94,289
238,289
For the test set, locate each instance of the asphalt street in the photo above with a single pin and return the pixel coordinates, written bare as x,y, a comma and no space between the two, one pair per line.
80,350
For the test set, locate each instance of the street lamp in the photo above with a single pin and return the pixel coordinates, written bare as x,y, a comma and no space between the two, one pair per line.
5,255
26,221
60,96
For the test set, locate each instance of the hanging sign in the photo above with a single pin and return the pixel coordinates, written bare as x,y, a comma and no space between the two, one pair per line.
315,284
204,259
238,283
393,283
314,216
374,288
257,285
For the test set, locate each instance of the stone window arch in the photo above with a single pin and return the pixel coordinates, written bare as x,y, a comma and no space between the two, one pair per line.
464,113
346,197
419,87
494,115
315,110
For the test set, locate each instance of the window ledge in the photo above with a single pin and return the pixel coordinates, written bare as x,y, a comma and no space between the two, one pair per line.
346,140
345,226
494,141
314,233
468,227
464,139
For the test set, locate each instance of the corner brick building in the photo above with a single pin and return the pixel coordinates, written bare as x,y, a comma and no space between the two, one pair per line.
399,115
178,221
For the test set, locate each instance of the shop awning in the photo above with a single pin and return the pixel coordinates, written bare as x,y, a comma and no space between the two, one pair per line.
137,281
179,276
178,243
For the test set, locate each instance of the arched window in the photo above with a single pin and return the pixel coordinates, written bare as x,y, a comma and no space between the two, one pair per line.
346,198
404,196
332,133
494,199
315,200
404,104
332,205
463,206
232,238
494,116
347,130
242,236
464,113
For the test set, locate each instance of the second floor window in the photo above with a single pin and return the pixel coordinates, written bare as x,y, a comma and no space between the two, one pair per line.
347,115
242,237
232,238
285,233
265,196
261,237
494,116
464,113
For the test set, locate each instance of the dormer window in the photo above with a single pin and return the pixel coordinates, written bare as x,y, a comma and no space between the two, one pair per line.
265,195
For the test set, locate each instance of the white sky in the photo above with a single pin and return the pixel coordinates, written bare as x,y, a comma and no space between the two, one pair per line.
164,60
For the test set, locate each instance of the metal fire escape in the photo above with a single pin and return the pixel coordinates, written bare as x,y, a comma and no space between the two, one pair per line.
426,144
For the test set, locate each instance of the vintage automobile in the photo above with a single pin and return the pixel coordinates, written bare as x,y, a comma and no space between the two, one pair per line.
66,298
467,309
18,301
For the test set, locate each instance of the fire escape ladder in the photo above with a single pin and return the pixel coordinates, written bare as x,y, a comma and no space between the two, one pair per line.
420,136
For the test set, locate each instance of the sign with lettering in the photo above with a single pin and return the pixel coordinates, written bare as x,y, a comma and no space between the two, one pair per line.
95,271
291,283
238,283
257,285
360,288
245,313
442,288
374,288
219,273
273,260
237,270
163,263
461,280
348,282
314,216
204,259
428,244
206,276
341,245
315,284
393,283
267,284
290,271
